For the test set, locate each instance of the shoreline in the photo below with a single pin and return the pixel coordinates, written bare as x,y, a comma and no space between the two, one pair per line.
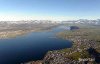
83,41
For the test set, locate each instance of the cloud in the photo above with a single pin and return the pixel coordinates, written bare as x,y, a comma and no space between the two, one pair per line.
56,18
22,17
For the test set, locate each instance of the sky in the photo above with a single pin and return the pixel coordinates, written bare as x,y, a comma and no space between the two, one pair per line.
49,9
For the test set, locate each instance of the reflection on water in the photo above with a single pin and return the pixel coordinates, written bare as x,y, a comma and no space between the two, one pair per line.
32,46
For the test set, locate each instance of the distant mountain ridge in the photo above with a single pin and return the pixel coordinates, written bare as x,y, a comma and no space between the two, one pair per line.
80,21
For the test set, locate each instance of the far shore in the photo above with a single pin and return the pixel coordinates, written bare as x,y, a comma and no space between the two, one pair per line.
14,31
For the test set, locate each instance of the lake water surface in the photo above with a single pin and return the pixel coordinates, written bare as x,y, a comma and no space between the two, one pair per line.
32,46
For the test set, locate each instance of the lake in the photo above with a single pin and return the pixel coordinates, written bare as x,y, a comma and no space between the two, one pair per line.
32,46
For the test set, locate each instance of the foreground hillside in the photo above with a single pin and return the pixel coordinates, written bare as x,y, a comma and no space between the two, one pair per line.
85,49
